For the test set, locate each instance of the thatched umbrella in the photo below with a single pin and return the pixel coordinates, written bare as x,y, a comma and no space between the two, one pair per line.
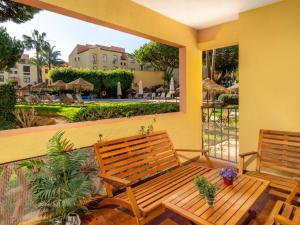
172,87
58,85
80,84
212,87
40,87
119,90
141,90
160,89
234,88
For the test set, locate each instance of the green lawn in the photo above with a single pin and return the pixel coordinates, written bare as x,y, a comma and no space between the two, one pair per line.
55,109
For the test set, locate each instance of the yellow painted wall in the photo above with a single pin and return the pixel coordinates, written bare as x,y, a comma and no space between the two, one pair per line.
184,128
269,71
149,78
219,36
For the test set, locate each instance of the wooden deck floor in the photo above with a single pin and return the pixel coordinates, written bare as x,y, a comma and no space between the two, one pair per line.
119,216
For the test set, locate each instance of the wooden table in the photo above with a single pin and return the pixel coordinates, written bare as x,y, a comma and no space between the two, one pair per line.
232,202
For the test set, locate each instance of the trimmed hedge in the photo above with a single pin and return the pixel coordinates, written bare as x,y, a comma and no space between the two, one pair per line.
103,80
128,110
229,99
7,107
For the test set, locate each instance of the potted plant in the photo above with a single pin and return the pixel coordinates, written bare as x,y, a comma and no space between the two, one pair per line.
229,175
210,191
201,183
61,186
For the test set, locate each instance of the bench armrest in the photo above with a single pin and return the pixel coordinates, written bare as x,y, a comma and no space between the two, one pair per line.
204,152
284,221
242,159
113,179
192,150
247,153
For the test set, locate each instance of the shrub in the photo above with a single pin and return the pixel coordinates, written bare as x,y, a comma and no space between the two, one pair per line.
117,111
229,99
60,187
112,77
7,107
102,80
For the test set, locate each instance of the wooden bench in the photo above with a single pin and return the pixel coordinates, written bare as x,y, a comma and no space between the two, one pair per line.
278,151
285,214
148,167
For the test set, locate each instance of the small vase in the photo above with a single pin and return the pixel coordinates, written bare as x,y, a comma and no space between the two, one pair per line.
227,181
210,202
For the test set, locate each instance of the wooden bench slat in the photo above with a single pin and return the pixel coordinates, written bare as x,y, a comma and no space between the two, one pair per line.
164,191
134,156
164,181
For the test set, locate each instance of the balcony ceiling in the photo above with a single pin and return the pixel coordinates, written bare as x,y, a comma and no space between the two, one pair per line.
203,13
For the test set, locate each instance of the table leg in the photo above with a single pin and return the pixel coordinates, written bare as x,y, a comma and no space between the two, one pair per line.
251,215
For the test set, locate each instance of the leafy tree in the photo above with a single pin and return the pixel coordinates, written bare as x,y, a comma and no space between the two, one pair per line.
51,56
159,56
223,61
10,50
16,12
37,42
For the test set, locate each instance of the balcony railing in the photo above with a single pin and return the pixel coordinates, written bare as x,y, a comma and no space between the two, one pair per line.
220,132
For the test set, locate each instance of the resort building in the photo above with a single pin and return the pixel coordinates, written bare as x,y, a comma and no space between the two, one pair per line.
100,57
23,73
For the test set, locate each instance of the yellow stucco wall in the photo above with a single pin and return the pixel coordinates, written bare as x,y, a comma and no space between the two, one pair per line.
219,36
184,128
269,71
149,78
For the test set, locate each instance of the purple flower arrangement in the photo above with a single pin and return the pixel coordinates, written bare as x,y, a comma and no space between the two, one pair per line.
228,173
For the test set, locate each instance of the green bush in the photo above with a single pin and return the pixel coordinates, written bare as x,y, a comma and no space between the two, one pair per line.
7,107
117,111
102,80
229,99
112,77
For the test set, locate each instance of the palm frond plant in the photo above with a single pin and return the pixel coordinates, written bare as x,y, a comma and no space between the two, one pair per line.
62,184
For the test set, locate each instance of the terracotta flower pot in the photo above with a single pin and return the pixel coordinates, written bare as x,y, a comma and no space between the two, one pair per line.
227,181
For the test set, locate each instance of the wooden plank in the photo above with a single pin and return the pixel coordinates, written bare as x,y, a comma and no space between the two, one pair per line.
235,207
186,194
248,204
296,218
127,148
275,211
163,180
281,137
226,194
136,156
280,168
176,172
139,163
288,143
287,211
186,214
163,191
229,202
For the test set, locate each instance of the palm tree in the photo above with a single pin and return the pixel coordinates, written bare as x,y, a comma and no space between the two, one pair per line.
51,56
36,41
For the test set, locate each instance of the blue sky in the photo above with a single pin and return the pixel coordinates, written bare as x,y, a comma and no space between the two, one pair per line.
65,32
